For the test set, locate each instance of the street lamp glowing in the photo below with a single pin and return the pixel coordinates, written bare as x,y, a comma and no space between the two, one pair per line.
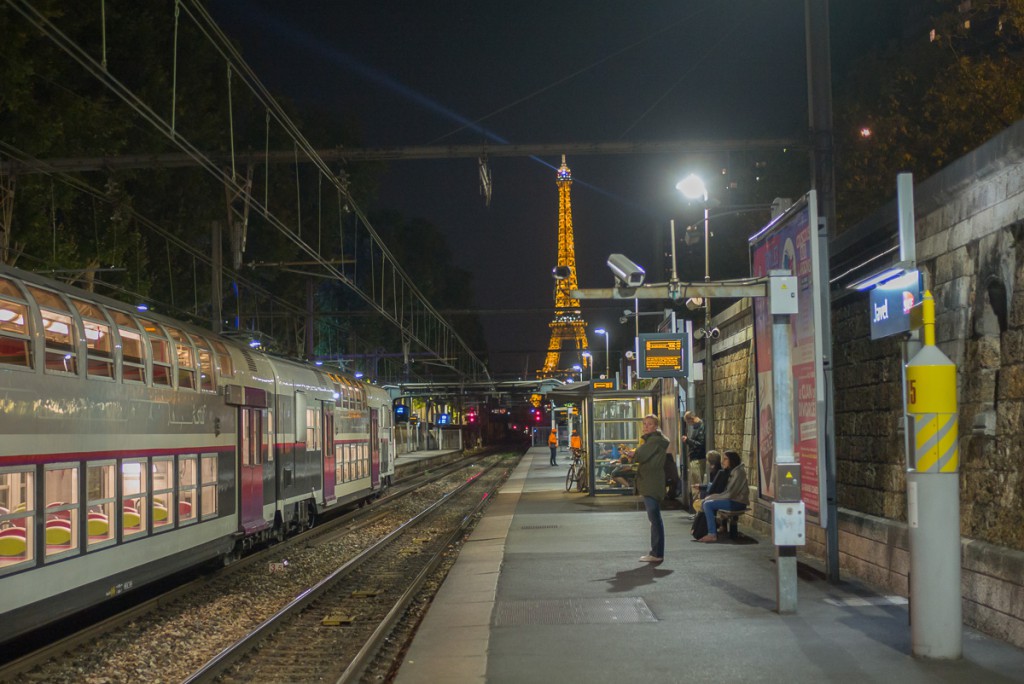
693,188
607,359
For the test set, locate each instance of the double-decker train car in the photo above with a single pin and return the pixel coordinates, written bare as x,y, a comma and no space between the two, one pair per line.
133,446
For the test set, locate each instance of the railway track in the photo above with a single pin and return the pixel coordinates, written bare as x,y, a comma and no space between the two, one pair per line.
174,635
335,630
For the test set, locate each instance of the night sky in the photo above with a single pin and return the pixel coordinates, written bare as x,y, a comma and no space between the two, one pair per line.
422,73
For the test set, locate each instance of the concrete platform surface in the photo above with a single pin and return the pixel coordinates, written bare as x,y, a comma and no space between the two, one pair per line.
549,588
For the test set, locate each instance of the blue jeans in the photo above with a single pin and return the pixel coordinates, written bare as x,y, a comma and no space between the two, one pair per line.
653,507
715,505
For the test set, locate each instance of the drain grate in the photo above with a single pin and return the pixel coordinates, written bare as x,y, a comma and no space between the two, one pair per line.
539,527
598,611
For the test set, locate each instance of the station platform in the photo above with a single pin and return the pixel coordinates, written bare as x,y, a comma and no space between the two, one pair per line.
414,463
549,588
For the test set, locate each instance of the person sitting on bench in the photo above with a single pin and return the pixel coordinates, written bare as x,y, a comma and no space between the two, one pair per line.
624,474
718,478
736,496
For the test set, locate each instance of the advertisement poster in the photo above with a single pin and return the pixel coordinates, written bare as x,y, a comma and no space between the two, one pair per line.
790,243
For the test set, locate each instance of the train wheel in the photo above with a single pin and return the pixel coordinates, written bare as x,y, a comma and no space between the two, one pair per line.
310,515
232,556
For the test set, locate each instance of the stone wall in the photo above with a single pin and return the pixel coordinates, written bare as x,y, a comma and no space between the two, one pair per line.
969,224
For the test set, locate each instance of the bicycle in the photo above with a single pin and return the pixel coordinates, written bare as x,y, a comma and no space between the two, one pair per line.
577,474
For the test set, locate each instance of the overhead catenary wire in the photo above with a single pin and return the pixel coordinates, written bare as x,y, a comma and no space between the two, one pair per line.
222,45
171,239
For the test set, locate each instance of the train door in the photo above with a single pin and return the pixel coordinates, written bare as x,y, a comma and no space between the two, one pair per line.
327,452
250,479
374,448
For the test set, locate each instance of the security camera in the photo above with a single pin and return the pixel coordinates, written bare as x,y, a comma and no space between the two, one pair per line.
630,355
694,303
714,333
698,334
626,272
561,272
623,320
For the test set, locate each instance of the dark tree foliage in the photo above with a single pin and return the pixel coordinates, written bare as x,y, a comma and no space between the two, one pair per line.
953,82
51,108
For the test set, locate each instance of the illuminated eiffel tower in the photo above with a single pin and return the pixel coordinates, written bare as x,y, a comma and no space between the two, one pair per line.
568,324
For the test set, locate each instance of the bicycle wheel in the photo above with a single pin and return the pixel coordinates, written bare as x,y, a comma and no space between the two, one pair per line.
571,477
582,475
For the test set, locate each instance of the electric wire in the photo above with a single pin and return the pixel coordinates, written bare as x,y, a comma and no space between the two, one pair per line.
73,50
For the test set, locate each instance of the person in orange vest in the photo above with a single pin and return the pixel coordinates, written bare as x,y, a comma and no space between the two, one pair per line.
553,443
575,441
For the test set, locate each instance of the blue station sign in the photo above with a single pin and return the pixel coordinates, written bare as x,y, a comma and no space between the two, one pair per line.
892,303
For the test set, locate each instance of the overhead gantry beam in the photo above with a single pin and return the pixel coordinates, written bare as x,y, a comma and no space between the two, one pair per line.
179,160
679,291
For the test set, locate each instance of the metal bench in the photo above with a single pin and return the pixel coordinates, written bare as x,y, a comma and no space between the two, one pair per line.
729,520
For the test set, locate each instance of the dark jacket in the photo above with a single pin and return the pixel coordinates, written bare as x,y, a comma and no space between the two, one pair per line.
696,441
737,488
717,484
650,465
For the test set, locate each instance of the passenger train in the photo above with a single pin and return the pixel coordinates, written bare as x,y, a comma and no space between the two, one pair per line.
133,446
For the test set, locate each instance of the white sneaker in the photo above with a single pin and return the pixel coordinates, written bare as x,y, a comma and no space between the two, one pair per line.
650,559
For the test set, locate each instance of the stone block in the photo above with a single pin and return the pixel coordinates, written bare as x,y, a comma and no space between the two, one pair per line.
1011,382
952,265
988,351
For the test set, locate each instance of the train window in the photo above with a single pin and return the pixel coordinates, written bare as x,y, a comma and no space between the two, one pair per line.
220,350
17,517
207,381
252,437
364,460
15,348
101,502
99,348
159,350
60,491
163,492
208,491
339,463
187,489
314,429
133,361
58,331
186,358
134,498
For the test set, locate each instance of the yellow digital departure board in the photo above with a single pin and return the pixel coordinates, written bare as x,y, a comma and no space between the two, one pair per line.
662,355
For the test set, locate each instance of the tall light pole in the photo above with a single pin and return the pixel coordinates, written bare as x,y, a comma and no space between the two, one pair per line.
579,369
589,363
607,359
694,188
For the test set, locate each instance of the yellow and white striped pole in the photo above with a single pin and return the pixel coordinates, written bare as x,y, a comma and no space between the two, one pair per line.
933,499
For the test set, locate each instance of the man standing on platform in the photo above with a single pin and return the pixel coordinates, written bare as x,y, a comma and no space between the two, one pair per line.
650,483
553,443
695,442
